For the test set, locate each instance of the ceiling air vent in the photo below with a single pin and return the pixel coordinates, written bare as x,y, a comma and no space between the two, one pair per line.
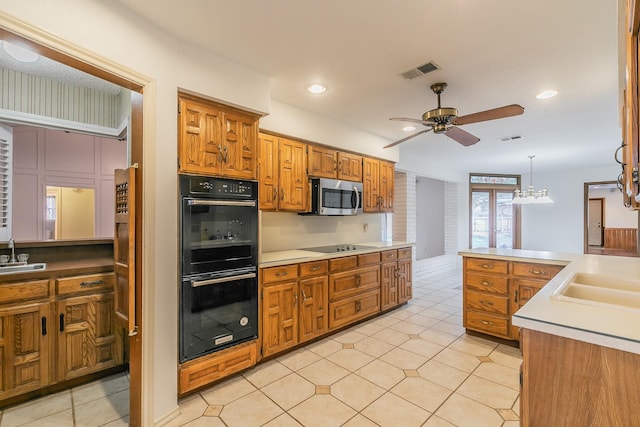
510,138
420,70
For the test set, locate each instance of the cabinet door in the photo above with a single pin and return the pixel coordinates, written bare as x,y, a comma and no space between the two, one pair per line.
87,337
293,175
371,183
405,289
200,138
323,162
25,345
268,172
386,186
314,308
350,167
279,317
388,285
239,148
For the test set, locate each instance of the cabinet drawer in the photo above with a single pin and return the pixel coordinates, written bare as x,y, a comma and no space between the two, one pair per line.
487,323
344,263
404,253
487,283
487,265
11,292
535,270
81,284
389,256
349,283
351,309
315,268
486,302
368,259
279,274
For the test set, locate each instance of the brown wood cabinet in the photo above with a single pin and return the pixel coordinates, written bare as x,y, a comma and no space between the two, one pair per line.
566,382
349,167
216,140
279,309
396,285
495,289
323,162
631,109
378,181
283,182
314,300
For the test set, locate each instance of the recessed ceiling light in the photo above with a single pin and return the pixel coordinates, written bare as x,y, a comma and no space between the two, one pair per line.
19,53
317,88
408,128
547,94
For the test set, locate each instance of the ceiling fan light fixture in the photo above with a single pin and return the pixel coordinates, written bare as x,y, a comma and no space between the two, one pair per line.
550,93
19,53
317,89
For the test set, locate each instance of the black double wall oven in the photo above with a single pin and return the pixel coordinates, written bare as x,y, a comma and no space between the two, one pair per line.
219,268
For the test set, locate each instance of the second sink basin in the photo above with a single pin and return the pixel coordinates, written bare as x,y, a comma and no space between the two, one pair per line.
598,289
21,268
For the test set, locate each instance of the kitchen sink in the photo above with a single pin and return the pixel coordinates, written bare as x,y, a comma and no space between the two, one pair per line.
6,269
600,290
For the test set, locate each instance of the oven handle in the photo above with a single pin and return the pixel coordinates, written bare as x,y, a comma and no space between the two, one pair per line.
196,283
196,202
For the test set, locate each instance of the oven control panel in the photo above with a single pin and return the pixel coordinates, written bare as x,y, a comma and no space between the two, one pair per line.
204,185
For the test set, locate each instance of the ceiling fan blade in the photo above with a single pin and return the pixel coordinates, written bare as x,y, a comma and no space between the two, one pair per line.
407,138
407,119
461,136
496,113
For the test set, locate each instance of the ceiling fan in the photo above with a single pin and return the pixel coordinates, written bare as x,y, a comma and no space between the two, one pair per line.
445,120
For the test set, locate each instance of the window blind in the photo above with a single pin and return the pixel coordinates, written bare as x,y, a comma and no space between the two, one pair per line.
5,190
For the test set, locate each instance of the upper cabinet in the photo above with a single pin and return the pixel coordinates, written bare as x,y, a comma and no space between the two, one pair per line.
283,182
328,163
377,185
631,118
216,140
350,167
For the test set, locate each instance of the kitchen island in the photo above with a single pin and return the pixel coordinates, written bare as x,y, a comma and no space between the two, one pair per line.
581,350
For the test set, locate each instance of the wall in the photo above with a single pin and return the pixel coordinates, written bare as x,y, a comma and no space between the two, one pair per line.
615,214
44,157
430,226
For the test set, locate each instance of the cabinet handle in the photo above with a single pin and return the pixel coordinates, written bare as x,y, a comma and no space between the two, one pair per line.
358,306
91,284
281,273
537,272
315,268
357,280
219,156
486,322
282,194
516,299
485,283
61,322
295,299
44,325
484,302
487,266
226,154
304,296
275,194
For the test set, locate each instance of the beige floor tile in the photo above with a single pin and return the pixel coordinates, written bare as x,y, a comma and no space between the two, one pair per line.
191,407
507,356
356,392
287,392
368,328
511,424
325,347
400,314
284,420
373,347
392,411
350,359
442,374
348,337
500,374
323,372
449,328
408,328
298,359
455,359
487,392
424,321
516,407
266,373
227,391
455,319
416,305
205,422
473,345
464,412
360,421
422,347
508,415
381,374
438,337
251,410
122,422
103,410
385,320
390,336
446,309
322,411
403,359
421,392
435,314
100,388
36,409
435,421
60,419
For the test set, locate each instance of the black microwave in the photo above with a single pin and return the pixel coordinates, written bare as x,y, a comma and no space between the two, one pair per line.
335,197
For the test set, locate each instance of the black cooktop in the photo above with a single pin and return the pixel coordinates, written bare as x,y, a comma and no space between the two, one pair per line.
346,247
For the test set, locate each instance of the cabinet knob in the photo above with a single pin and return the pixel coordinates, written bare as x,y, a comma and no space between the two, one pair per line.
485,283
295,299
487,266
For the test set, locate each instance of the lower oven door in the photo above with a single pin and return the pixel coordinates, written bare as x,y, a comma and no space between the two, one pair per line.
217,310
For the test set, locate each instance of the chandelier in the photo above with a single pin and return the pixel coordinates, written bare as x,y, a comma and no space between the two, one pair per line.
530,196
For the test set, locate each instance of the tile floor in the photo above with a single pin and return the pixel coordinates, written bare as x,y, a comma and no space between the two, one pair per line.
414,366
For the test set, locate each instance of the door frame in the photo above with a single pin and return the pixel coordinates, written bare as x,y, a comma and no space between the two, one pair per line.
585,220
50,46
601,200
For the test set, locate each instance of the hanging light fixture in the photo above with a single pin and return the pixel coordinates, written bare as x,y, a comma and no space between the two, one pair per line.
530,196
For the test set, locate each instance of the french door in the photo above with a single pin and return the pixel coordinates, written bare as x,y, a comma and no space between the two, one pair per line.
494,221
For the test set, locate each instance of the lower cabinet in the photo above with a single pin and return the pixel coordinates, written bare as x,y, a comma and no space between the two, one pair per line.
314,300
279,317
396,285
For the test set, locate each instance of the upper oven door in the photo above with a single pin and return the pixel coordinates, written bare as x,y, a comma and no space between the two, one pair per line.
218,234
340,197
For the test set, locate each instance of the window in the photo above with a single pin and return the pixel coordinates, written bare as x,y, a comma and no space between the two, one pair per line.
493,221
5,185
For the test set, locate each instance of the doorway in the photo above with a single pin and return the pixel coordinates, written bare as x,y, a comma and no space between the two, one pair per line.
595,219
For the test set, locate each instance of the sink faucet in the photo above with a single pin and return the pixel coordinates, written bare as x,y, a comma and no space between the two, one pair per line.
12,246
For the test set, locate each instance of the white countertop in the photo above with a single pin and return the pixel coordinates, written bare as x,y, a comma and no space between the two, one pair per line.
607,325
292,256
